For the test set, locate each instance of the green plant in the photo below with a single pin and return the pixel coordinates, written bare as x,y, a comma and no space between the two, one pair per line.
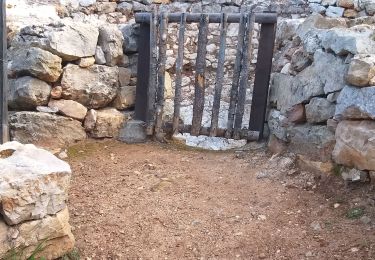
18,253
73,255
355,213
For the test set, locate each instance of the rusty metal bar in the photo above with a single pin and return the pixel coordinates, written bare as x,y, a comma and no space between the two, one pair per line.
262,78
236,76
264,18
142,111
163,29
4,135
244,76
179,65
200,78
219,75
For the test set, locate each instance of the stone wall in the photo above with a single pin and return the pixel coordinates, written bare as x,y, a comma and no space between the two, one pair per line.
72,64
322,92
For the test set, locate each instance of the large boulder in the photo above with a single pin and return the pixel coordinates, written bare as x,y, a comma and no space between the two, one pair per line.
69,108
355,40
45,130
314,141
93,87
52,232
356,103
361,70
355,144
315,80
70,41
108,123
33,183
319,110
111,41
35,62
27,93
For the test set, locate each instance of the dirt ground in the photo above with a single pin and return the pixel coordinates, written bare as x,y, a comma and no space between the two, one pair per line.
154,201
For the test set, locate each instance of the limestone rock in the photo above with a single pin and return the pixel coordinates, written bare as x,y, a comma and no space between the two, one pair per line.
125,98
124,76
56,92
45,130
335,11
315,80
300,60
69,108
275,120
99,56
134,131
355,40
54,231
70,41
27,93
319,110
130,33
86,62
111,41
355,144
296,114
108,123
90,120
356,103
33,183
368,5
93,87
35,62
315,141
345,3
361,70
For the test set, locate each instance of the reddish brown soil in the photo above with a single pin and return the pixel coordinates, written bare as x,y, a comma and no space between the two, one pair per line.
155,201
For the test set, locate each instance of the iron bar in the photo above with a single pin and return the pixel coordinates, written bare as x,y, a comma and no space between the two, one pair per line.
178,81
213,18
262,78
236,76
244,76
163,30
219,75
142,91
4,79
200,78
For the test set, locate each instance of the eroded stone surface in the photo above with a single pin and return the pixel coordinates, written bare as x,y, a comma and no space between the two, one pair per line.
33,183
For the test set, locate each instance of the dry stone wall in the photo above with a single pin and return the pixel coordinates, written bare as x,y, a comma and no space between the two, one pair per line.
73,64
321,98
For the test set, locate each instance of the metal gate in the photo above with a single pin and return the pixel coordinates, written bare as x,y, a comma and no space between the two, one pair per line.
152,66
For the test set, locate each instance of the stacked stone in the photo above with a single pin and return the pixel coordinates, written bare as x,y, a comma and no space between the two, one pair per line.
68,79
325,69
33,193
343,8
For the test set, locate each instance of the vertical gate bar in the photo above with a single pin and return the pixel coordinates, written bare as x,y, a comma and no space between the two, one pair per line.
153,73
236,76
219,75
4,135
179,65
244,77
262,78
141,100
200,78
163,30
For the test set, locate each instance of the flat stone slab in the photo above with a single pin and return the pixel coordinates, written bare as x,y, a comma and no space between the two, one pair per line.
33,183
210,143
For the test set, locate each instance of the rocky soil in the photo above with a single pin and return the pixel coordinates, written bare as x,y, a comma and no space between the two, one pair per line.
167,202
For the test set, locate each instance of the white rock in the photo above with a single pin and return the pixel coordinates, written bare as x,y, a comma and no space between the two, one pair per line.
33,182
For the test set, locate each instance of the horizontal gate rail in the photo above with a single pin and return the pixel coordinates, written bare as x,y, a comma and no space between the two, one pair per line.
262,18
152,68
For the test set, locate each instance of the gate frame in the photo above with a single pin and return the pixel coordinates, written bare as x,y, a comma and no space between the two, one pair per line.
145,104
